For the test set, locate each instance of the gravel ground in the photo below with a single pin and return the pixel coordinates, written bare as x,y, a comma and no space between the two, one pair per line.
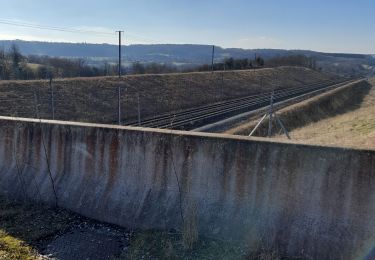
87,241
34,231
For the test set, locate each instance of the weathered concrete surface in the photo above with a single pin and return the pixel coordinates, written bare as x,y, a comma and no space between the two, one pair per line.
301,200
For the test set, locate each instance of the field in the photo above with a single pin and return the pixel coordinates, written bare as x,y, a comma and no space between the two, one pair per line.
95,99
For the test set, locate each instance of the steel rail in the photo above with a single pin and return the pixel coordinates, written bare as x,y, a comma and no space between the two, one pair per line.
192,117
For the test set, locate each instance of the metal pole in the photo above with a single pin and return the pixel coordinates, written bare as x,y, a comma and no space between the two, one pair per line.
52,98
36,104
282,126
119,104
119,75
270,116
222,81
119,53
139,110
256,127
213,55
3,59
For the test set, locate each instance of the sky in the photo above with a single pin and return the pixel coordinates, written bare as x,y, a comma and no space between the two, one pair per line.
320,25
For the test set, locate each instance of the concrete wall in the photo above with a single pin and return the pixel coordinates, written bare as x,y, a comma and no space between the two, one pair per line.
300,200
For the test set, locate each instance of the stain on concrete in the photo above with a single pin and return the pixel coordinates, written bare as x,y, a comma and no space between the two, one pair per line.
286,197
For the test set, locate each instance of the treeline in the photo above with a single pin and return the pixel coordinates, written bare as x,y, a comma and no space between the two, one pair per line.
234,64
15,66
152,68
67,68
292,60
259,62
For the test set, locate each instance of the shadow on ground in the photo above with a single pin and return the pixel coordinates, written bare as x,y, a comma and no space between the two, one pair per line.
29,231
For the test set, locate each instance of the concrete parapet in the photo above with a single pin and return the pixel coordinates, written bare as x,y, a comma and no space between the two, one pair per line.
296,199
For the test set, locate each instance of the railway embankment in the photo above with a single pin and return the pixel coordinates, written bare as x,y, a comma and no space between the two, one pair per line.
326,105
96,99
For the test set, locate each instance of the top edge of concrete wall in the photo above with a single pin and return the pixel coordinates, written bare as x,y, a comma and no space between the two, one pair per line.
181,133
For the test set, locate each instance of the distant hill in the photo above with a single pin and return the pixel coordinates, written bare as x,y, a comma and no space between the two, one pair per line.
184,54
179,53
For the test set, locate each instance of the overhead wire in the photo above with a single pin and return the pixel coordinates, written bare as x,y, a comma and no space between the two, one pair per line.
53,28
74,30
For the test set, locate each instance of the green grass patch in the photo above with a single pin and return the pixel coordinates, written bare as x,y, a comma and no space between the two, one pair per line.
13,248
364,126
22,226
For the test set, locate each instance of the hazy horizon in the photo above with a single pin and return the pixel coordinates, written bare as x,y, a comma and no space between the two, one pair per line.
334,26
124,45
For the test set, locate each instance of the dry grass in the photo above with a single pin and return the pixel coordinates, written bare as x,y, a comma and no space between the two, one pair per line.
154,244
325,105
354,129
95,99
13,248
23,226
341,117
33,66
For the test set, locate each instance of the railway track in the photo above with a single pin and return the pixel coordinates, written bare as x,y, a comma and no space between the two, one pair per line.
203,115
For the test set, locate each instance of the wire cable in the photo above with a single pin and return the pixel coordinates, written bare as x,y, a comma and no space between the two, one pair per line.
52,28
72,30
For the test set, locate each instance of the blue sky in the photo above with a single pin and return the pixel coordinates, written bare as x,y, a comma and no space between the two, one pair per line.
330,25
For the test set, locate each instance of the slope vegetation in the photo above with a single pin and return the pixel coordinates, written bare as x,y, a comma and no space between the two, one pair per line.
95,99
344,116
354,128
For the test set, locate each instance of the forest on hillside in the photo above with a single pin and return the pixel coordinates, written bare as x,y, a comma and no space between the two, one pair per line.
16,66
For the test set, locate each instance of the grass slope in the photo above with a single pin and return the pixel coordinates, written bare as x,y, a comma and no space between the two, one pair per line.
344,117
95,99
354,128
